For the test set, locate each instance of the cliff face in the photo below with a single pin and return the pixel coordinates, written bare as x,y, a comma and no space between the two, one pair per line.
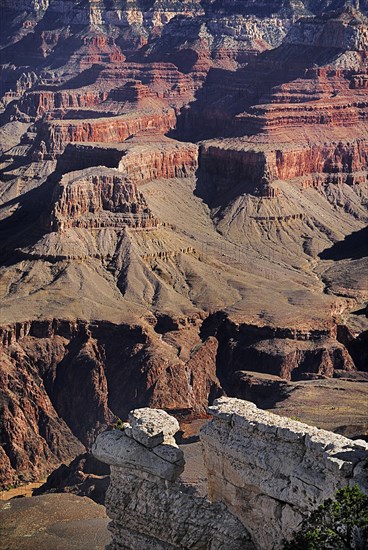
59,133
34,437
145,466
174,160
226,34
262,470
63,382
87,199
316,165
292,356
273,470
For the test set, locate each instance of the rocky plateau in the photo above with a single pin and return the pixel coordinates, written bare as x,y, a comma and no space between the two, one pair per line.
183,214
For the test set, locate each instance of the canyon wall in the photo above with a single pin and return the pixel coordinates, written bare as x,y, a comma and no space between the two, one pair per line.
136,160
227,163
146,502
63,382
121,268
99,198
265,474
271,471
58,134
306,353
167,160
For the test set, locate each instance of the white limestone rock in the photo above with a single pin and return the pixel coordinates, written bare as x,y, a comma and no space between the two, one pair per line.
149,516
116,449
273,471
152,427
171,453
149,508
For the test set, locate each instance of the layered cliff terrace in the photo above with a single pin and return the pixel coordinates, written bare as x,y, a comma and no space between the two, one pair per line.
267,118
58,133
143,158
306,164
97,198
111,88
321,96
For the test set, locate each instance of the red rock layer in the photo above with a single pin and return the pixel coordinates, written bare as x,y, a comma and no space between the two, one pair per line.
98,48
359,81
91,49
163,80
147,163
298,360
103,199
131,91
140,160
57,134
272,118
226,167
80,372
292,355
342,162
323,96
115,84
333,158
201,382
37,103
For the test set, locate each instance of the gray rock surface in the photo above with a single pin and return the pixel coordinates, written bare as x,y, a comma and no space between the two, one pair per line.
273,471
149,508
148,513
266,473
151,427
116,449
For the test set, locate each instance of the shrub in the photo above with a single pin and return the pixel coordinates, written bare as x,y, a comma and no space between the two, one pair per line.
339,524
119,425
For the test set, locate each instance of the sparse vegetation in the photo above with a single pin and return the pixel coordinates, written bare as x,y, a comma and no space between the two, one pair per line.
338,524
119,424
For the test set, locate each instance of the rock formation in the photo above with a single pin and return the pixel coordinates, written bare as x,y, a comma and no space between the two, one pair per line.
59,133
183,198
84,476
100,364
274,471
99,198
265,474
145,501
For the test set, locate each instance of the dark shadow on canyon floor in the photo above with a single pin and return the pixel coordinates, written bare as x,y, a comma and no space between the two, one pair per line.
354,246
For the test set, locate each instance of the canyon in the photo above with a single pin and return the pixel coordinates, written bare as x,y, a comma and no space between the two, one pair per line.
183,210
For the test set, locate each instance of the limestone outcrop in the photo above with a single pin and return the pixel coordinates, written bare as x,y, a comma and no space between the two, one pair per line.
265,474
145,501
271,471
